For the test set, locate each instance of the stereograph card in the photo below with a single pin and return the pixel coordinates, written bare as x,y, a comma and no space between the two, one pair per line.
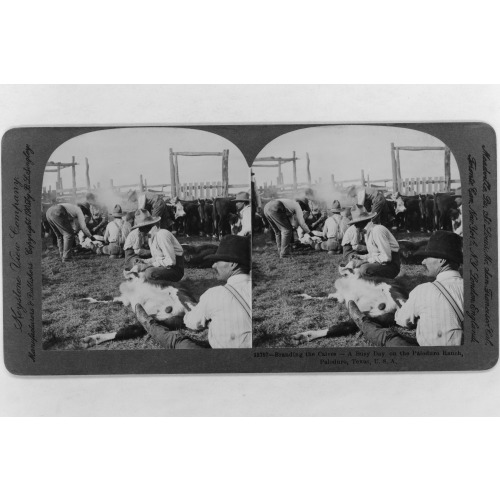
317,247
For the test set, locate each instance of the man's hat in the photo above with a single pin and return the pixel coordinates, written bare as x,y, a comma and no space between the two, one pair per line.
443,245
243,197
360,215
335,207
143,218
232,248
117,211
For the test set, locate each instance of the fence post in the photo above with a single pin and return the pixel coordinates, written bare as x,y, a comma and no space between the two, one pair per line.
294,173
362,177
394,169
141,183
73,177
87,175
309,170
447,169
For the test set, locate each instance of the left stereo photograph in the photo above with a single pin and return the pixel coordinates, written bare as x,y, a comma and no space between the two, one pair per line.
146,238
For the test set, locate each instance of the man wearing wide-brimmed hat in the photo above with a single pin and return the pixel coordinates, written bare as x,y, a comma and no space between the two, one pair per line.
167,262
99,215
245,213
436,308
113,243
226,310
383,249
154,204
332,232
352,241
372,199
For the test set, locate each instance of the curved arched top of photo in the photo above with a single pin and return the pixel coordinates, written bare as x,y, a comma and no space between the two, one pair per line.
343,155
122,159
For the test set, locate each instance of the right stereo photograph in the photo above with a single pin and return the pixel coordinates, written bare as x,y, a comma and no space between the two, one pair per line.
357,240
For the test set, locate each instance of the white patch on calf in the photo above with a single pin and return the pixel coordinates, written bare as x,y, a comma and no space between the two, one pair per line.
161,302
373,299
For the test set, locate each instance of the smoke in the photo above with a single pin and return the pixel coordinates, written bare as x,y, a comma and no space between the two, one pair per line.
108,198
326,194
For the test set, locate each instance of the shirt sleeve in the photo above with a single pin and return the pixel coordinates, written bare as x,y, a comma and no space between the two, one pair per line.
407,315
81,222
361,197
106,234
198,317
300,218
384,248
165,241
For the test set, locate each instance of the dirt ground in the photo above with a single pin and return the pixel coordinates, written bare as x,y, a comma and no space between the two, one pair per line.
66,318
278,312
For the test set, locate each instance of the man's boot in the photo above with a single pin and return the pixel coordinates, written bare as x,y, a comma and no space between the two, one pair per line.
144,319
356,315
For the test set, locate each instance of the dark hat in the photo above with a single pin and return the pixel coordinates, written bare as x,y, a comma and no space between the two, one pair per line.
117,211
335,207
143,218
245,197
443,245
232,248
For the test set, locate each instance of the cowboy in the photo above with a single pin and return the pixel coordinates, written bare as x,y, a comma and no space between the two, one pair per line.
352,241
373,200
66,220
154,204
167,262
284,215
331,231
245,213
224,309
436,308
113,242
383,249
136,246
99,215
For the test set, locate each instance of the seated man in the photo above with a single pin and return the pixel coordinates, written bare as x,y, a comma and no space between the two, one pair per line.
99,219
167,262
332,232
113,244
383,249
436,308
224,309
135,247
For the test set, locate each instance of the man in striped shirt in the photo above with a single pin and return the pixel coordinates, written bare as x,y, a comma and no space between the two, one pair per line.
226,310
437,309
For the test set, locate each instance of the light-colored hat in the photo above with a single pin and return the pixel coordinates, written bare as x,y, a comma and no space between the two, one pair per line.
361,216
244,197
335,207
143,218
117,211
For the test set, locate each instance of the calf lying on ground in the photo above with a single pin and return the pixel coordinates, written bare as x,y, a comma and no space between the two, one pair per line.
377,298
163,303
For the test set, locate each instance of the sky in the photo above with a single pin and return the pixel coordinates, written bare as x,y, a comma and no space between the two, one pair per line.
124,154
345,150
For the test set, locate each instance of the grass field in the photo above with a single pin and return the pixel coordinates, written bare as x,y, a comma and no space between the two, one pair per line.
277,313
66,318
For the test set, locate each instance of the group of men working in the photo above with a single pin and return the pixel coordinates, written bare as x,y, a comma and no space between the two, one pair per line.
154,250
368,246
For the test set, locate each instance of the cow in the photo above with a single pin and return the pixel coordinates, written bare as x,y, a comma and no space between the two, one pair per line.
377,298
223,208
162,303
443,204
408,215
427,212
194,255
205,210
187,218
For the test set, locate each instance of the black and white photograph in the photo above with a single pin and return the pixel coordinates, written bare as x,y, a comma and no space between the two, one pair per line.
358,240
146,242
